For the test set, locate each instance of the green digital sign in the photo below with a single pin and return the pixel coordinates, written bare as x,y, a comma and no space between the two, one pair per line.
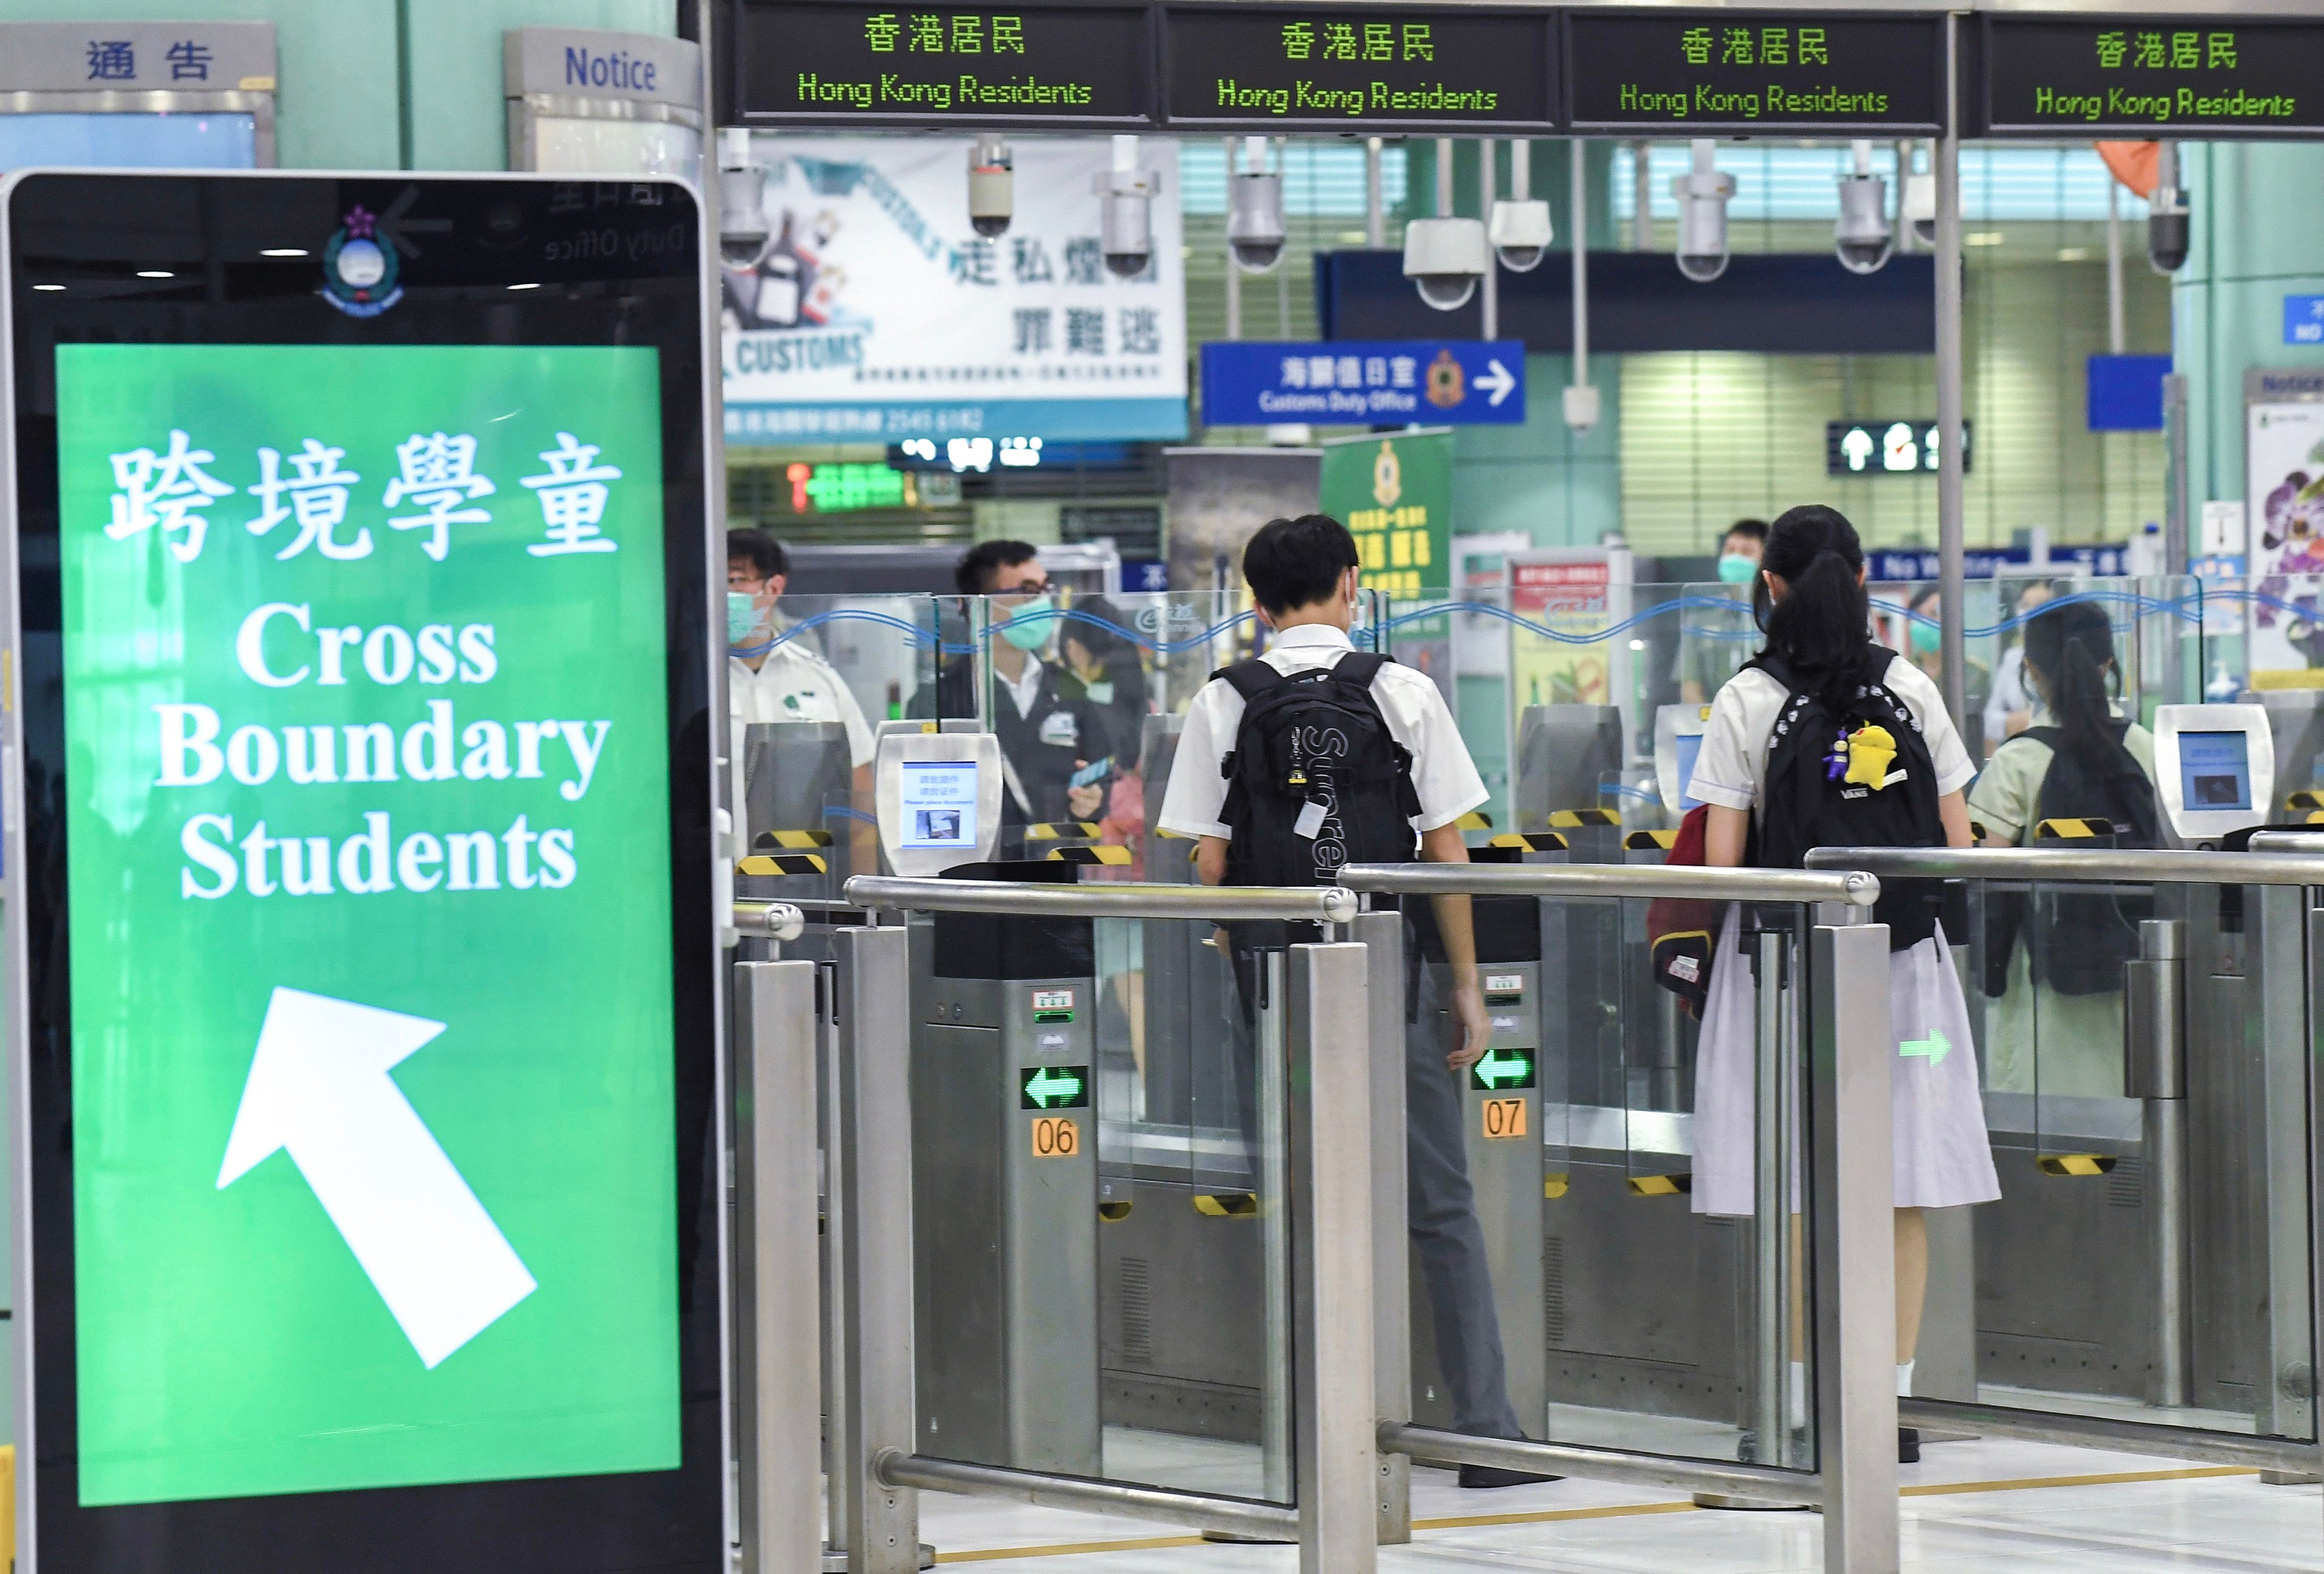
1053,1088
1688,73
365,710
1266,68
1499,1070
2142,75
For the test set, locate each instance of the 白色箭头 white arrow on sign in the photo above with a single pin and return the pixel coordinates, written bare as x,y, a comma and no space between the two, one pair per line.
318,1087
1497,381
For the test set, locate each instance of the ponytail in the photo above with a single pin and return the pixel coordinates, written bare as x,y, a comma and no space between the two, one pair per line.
2070,646
1822,629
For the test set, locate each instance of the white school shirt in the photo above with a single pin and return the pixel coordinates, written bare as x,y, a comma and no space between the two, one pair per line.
1732,765
1443,775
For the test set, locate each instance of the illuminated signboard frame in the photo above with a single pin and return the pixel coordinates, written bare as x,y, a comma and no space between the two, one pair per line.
1358,70
2235,78
393,1497
1696,73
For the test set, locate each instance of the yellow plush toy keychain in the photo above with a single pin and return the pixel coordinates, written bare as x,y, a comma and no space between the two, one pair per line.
1870,751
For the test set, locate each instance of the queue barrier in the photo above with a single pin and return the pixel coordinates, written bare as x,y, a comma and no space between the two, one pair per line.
2284,866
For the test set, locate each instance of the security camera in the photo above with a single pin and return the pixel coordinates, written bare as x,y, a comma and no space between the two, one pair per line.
1444,258
742,198
2167,223
1862,236
1125,218
1920,206
991,186
1255,219
1520,232
1702,194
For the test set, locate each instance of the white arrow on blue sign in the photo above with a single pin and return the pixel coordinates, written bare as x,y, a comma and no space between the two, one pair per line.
1364,382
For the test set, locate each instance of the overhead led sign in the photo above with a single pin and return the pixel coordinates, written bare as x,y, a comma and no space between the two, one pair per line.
1359,67
1886,447
1694,72
2142,76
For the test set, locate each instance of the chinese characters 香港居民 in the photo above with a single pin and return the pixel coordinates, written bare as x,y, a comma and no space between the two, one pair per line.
171,490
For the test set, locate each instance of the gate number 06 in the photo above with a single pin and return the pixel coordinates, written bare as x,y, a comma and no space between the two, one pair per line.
1056,1136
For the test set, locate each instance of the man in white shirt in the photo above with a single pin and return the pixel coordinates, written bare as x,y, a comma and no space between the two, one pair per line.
774,679
1303,574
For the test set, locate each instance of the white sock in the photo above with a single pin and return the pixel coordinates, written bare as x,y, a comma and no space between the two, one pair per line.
1798,1391
1903,1379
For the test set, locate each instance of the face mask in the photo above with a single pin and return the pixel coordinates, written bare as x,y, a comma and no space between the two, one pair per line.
1736,568
742,616
1927,639
1099,694
1029,630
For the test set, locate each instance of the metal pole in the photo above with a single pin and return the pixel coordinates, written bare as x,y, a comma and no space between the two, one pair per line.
781,1437
1374,197
2178,539
875,1179
1490,295
1580,402
1383,933
1852,1292
1235,274
1642,197
1282,272
2117,336
1277,1384
1902,226
1949,500
1772,1216
839,1434
1331,1205
2154,1073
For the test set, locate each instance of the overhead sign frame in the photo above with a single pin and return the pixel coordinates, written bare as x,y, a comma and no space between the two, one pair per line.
333,1387
2191,75
143,68
1751,72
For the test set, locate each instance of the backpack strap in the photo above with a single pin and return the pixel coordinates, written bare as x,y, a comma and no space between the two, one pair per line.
1360,666
1250,679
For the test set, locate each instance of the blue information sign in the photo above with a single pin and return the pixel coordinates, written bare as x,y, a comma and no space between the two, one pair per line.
2304,320
1364,382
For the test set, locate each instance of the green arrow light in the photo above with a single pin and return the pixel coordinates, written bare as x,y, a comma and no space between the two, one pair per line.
1503,1068
1932,1049
1055,1088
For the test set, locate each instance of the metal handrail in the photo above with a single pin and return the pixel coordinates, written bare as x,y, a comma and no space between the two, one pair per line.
2293,842
769,920
2169,866
1694,882
1219,904
1222,1515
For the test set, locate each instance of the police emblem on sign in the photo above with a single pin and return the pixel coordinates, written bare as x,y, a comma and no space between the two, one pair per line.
361,271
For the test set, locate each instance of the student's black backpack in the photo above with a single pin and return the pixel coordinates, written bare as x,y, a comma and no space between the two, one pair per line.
1805,801
1316,779
2078,940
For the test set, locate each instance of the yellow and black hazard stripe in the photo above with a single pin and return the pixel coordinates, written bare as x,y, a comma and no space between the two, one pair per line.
1530,841
762,864
1677,1185
1113,855
1649,841
1060,830
766,839
2075,1164
1227,1204
2072,829
1572,819
1475,820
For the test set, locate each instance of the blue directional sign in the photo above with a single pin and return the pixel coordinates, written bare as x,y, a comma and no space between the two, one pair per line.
1364,382
2304,320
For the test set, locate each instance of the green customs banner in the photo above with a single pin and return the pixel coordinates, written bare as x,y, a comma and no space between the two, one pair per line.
371,968
1395,495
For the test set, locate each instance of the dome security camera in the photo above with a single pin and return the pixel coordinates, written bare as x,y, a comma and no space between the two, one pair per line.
1920,206
1255,221
1703,195
1520,234
991,186
1861,236
2167,221
1444,258
1126,215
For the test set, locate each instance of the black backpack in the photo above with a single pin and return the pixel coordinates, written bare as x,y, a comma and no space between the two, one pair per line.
2078,940
1316,779
1806,803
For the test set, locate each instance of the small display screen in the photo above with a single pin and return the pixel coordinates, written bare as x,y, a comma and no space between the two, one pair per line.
940,802
1690,744
2215,771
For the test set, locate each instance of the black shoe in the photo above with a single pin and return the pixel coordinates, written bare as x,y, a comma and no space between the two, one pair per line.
1908,1445
1494,1476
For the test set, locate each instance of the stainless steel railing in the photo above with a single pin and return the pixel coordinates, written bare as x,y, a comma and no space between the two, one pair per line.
2164,866
1296,904
1843,1055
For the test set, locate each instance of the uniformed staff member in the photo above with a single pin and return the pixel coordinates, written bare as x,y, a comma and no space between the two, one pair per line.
1054,745
789,681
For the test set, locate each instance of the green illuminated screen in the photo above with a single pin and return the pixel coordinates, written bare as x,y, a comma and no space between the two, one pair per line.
372,1054
1501,1069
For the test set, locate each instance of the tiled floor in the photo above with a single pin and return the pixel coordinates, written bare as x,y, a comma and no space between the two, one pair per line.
1978,1506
